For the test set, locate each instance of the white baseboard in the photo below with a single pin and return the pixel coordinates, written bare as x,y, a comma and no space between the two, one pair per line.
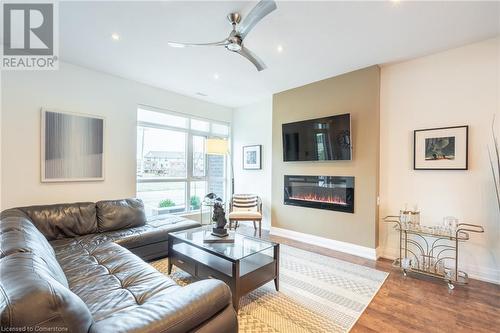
485,274
357,250
387,253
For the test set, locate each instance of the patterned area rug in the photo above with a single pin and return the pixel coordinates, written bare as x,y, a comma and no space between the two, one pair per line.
317,294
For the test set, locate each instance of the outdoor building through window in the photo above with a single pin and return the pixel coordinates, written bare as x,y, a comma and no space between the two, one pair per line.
173,171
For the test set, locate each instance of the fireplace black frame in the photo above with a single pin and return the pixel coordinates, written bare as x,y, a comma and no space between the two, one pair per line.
345,181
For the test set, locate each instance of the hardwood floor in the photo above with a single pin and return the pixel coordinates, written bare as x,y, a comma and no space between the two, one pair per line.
416,303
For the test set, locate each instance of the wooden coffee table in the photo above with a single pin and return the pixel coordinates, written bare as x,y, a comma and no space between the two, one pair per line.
244,265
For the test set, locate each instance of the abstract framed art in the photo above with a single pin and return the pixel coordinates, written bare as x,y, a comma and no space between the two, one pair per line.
444,148
252,157
72,147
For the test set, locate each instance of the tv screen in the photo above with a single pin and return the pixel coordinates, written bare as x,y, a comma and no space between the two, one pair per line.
322,139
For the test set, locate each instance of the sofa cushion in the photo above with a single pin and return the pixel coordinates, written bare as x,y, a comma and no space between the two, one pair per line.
125,294
31,297
120,214
138,240
63,220
108,278
19,235
153,231
187,309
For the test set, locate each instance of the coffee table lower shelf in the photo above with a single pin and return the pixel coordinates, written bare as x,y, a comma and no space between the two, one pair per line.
241,275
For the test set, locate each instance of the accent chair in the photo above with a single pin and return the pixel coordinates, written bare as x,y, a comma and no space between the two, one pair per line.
245,207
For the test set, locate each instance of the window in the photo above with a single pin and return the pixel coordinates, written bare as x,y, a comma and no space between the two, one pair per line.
173,171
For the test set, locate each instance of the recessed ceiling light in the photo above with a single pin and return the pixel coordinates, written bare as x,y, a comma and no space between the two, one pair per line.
279,48
115,36
216,76
395,1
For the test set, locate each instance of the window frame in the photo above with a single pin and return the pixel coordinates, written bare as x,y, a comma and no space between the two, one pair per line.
190,133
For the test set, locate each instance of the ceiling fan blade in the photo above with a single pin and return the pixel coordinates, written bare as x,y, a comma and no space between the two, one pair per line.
257,13
259,64
176,44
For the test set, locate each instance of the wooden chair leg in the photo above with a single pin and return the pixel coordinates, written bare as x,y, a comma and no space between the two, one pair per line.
260,228
254,226
230,224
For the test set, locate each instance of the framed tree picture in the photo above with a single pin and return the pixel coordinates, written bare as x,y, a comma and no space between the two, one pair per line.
441,148
252,157
72,147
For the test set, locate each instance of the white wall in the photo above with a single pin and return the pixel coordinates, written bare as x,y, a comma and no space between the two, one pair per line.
456,87
252,126
76,89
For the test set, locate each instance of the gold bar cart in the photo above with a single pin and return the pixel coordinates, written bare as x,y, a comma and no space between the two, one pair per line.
426,250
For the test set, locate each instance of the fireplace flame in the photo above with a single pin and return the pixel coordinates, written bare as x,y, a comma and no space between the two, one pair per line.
331,199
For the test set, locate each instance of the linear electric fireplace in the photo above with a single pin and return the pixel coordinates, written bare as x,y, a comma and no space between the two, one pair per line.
323,192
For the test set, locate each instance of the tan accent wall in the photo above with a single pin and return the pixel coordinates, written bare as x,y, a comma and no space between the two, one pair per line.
356,93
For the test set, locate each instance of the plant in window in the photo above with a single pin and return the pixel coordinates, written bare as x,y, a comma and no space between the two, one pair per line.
195,202
166,203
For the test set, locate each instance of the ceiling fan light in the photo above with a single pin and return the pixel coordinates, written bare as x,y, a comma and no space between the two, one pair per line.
233,47
179,45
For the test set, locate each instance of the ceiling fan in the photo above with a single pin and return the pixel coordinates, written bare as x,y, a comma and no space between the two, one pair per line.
234,42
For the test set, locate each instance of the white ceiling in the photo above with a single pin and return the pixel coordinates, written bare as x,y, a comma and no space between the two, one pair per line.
320,40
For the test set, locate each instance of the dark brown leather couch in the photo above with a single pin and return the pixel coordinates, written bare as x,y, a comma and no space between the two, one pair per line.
78,268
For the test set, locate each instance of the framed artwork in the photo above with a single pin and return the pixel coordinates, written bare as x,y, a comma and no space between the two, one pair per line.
252,157
72,147
441,148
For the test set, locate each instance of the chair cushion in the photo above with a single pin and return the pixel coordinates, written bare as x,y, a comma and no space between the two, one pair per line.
249,209
63,220
241,214
120,214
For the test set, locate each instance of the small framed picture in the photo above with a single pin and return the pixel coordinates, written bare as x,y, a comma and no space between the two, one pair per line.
441,148
252,157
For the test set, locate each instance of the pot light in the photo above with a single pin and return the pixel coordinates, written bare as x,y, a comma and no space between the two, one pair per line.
279,48
115,36
216,76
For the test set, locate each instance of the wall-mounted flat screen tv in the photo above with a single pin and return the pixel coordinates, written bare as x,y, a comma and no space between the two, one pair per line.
322,139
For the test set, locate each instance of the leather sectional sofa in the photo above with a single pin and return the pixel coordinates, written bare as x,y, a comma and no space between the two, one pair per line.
79,268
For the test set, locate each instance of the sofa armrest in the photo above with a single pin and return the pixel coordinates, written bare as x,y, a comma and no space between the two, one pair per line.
180,311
